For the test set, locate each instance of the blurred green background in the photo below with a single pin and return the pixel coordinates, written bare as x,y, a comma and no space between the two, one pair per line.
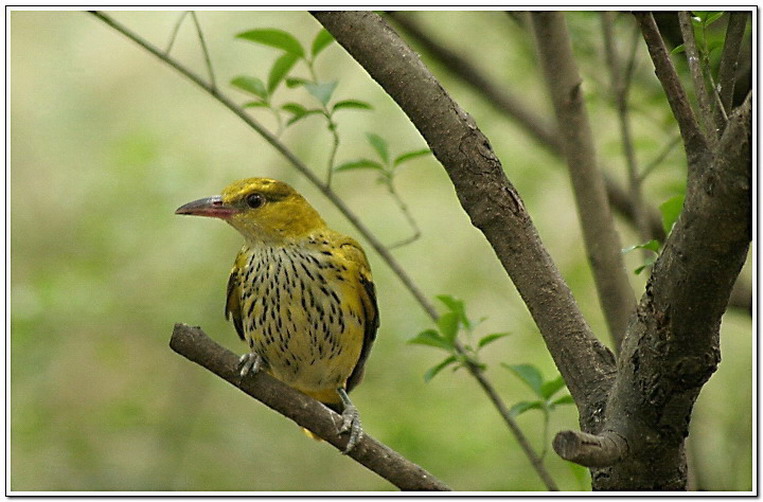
106,141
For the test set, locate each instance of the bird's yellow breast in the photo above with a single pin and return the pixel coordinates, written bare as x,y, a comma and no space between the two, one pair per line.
301,311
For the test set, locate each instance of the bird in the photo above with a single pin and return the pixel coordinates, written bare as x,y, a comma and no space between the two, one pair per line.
300,294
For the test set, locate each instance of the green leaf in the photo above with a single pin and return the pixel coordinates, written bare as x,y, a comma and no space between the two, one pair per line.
678,49
252,85
280,69
298,112
293,82
491,338
448,325
410,155
322,40
380,145
647,263
274,38
255,104
321,92
455,305
432,338
434,370
523,406
652,245
351,103
551,387
670,209
566,399
294,109
529,374
358,164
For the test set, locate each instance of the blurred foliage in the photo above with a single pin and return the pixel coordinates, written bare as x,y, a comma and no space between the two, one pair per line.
106,142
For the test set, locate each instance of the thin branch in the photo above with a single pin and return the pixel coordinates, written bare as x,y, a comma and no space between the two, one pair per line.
512,106
486,195
601,239
532,122
697,77
383,252
535,460
175,30
657,160
727,69
620,82
207,59
694,141
193,344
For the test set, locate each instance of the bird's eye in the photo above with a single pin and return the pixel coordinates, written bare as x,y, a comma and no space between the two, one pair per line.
255,200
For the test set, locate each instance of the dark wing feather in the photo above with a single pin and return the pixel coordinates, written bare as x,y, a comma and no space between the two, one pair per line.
371,319
233,302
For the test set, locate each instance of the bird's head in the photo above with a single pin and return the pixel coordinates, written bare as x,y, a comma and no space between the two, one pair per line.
261,209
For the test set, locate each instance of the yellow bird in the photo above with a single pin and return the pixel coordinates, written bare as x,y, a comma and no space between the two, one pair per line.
300,294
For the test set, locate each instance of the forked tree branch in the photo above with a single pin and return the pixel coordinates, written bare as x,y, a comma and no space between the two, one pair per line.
193,344
486,195
694,141
601,239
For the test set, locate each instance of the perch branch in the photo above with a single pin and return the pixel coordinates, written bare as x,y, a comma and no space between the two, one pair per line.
601,239
193,344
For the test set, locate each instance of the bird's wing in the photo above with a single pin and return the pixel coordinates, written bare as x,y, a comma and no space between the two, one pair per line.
233,297
354,254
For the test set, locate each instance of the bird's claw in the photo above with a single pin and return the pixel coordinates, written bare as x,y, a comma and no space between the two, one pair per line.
351,424
249,363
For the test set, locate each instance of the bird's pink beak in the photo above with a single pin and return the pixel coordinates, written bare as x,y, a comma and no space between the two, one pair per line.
212,207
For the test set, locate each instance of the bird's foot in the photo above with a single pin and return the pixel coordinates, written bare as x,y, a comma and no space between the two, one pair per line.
249,363
350,422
